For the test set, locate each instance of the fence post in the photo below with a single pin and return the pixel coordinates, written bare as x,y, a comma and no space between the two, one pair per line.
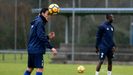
21,56
3,56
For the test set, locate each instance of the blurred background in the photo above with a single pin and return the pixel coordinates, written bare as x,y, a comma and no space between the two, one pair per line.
16,15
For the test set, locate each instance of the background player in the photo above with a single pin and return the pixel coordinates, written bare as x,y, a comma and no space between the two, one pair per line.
105,44
38,42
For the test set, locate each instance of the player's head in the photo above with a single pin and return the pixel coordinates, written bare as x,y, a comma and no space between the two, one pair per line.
44,12
110,17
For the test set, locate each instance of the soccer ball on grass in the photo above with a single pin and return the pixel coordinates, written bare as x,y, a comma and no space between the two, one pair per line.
80,69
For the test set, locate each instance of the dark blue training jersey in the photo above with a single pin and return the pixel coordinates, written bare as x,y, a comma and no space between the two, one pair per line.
38,40
104,36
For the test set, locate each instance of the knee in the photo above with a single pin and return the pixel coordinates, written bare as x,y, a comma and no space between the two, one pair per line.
101,61
39,69
30,69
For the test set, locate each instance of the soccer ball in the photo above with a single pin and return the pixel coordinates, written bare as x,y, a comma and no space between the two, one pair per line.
80,69
53,9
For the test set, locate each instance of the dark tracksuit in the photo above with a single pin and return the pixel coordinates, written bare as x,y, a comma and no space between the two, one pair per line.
104,40
38,42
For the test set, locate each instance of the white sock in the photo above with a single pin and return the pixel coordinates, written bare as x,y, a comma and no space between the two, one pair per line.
97,73
109,72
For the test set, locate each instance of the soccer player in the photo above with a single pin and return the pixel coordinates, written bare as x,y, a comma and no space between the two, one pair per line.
38,42
105,44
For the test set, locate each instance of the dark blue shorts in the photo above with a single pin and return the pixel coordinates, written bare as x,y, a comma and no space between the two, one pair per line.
105,53
35,61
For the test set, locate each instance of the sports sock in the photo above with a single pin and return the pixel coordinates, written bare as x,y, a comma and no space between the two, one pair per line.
27,73
38,73
109,73
97,73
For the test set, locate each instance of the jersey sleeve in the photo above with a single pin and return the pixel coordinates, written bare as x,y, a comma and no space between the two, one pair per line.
99,35
114,45
42,36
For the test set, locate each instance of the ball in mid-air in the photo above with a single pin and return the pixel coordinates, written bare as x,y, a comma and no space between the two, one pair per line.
80,69
53,9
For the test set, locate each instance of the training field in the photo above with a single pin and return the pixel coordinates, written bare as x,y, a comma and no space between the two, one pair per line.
62,69
8,67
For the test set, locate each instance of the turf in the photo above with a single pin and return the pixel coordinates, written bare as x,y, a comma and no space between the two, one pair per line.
62,69
17,67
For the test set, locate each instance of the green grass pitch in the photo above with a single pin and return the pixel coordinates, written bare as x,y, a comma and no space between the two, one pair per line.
9,67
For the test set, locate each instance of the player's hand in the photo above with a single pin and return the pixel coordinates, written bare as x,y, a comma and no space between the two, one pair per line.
113,49
51,35
54,51
97,50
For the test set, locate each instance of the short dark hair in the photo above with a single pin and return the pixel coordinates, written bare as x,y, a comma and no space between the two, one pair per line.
43,10
107,15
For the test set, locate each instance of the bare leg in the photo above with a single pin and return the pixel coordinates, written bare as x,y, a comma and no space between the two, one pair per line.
99,65
28,71
39,71
109,66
